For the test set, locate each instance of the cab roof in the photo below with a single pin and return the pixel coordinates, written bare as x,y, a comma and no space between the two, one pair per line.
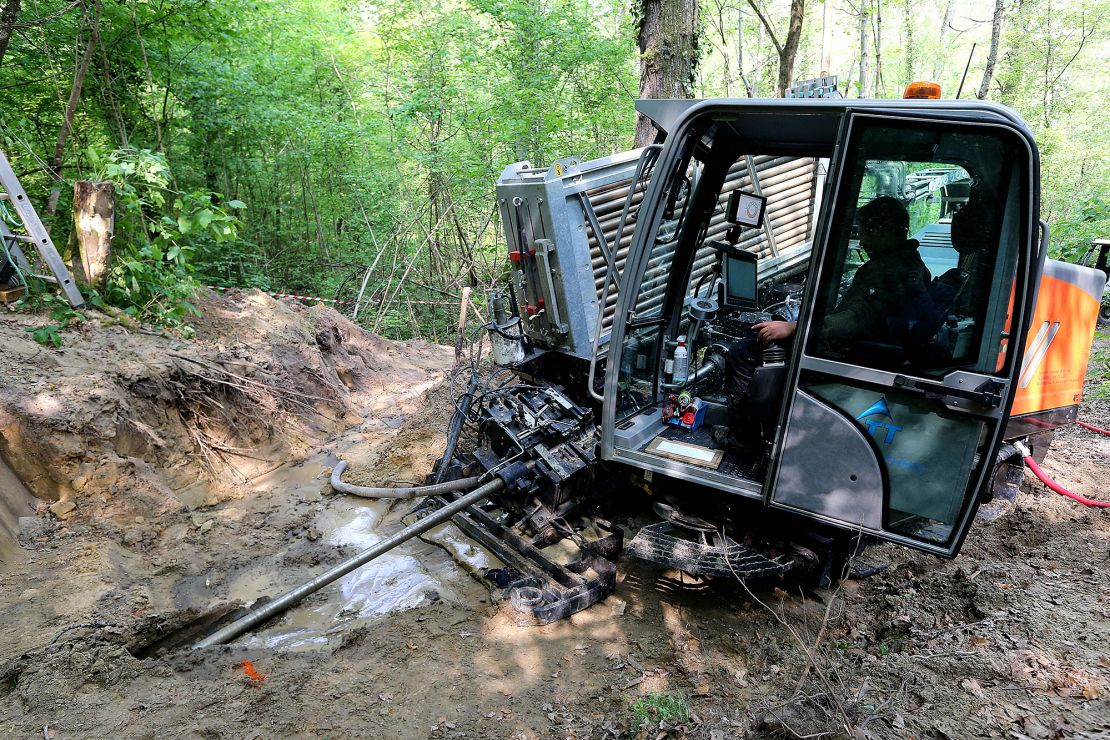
808,125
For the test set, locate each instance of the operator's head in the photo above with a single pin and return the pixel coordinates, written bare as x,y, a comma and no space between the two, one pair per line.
883,224
973,226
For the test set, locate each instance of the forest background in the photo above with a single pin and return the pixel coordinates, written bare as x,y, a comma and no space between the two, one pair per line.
292,144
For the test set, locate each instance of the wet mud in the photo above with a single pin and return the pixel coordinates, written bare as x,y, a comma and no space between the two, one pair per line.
1008,640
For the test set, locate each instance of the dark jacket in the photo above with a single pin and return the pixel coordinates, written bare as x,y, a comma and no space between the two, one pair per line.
889,284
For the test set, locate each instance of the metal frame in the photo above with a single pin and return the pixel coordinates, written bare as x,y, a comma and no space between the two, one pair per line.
677,117
37,235
993,418
554,196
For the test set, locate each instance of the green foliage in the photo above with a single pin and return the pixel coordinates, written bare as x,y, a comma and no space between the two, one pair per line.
1073,232
365,130
159,233
46,334
659,706
44,300
348,128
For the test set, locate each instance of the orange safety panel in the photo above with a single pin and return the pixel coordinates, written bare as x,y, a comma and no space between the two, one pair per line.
1058,346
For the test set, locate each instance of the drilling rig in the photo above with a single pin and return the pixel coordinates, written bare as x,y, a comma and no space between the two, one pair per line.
635,278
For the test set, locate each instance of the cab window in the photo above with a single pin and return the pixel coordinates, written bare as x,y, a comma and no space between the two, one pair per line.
922,253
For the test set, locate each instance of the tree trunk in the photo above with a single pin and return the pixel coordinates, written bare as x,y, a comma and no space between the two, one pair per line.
94,223
942,56
880,88
826,43
749,84
789,50
67,121
992,55
7,24
864,60
726,62
910,71
668,54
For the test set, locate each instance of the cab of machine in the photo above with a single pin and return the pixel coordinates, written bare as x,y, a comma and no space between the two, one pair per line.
883,407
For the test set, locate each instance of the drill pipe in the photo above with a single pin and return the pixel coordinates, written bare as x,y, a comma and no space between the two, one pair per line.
280,604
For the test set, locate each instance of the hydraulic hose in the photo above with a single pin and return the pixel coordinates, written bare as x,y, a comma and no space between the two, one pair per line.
280,604
1027,456
454,429
1092,428
398,493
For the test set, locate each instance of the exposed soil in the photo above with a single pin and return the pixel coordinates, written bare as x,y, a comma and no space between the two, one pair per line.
198,475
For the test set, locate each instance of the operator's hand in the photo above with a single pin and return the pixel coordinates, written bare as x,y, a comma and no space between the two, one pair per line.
772,331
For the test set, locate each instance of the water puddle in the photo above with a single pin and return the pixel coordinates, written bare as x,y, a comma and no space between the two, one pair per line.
414,574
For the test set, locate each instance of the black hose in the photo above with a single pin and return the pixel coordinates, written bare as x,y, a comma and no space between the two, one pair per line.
454,429
494,327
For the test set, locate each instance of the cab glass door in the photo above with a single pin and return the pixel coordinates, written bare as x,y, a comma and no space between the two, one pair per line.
904,371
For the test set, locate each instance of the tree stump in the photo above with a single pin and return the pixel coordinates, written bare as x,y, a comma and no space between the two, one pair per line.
94,223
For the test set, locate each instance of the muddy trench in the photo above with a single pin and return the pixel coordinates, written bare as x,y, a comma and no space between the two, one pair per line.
15,502
104,600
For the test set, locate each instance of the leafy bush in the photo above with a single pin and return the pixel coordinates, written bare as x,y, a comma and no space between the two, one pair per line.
158,232
1072,235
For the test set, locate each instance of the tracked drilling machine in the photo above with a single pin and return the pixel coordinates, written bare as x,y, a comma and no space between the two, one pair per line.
637,280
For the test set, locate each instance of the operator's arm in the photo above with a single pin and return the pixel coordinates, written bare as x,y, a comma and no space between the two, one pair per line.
864,308
877,291
853,318
772,331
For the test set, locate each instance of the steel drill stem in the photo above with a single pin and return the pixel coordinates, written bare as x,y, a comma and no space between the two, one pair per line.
280,604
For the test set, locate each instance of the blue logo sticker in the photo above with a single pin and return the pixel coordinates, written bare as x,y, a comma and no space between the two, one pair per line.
879,429
880,425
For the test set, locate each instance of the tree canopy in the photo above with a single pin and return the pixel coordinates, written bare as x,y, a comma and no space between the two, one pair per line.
289,145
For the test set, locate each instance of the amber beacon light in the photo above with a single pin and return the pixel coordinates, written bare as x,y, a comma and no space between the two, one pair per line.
922,91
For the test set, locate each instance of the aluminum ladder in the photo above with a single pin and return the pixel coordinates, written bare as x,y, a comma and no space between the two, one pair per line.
12,192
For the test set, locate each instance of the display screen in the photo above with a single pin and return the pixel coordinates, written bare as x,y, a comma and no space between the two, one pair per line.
740,282
745,209
750,211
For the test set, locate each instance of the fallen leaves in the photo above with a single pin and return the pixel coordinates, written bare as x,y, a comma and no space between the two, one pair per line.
1045,673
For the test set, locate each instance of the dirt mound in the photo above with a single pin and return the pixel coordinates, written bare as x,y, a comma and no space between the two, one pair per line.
1005,641
180,424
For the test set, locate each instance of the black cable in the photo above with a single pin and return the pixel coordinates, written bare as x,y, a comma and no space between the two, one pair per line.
494,327
455,427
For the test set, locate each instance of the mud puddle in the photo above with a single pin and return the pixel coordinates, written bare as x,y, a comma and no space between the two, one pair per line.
417,573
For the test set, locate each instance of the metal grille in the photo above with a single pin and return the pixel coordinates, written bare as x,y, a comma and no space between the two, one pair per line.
665,544
787,182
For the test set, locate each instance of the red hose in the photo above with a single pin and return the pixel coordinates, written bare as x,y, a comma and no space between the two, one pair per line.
1092,428
1029,461
1032,465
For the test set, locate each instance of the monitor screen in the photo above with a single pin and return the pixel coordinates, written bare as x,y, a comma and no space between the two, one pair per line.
740,282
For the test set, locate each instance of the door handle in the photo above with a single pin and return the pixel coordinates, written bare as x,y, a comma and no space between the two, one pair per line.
988,393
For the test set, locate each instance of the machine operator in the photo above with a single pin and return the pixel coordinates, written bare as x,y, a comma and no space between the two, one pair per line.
892,278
